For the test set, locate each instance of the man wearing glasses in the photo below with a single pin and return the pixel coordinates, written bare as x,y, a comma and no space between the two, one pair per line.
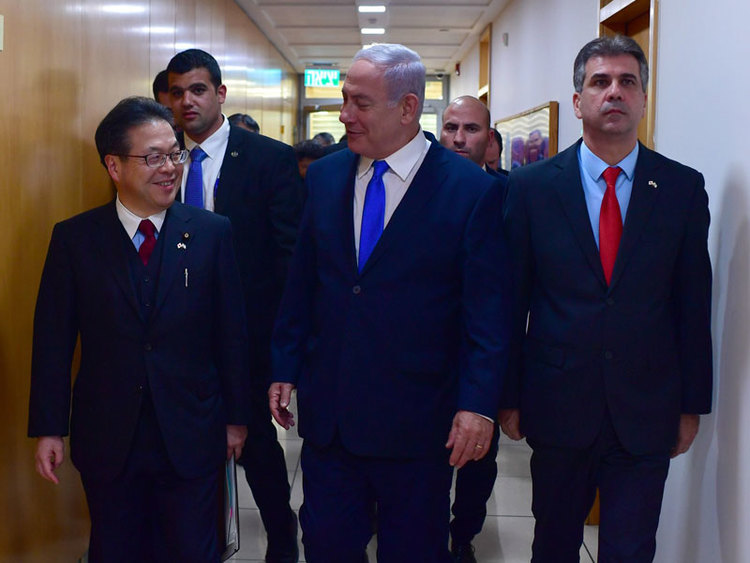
151,287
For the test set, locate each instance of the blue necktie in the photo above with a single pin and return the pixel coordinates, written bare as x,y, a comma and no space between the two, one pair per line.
373,212
194,184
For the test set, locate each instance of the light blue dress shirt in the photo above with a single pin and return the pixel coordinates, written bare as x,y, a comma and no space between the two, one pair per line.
594,186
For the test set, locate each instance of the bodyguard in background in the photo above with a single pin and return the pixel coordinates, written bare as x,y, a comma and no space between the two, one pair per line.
612,270
466,131
151,287
254,181
394,323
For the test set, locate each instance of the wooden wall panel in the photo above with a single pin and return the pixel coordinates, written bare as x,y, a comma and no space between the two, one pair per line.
65,63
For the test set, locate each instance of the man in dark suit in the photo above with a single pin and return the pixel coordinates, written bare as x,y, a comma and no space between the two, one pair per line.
466,131
254,181
151,287
495,152
613,274
393,326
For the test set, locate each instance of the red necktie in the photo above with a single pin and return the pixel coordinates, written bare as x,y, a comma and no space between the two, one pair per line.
610,223
147,246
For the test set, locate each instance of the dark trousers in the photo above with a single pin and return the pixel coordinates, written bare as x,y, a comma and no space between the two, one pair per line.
630,491
412,498
474,484
149,513
265,470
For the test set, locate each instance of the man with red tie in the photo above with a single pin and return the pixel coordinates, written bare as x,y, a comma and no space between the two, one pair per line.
152,290
611,352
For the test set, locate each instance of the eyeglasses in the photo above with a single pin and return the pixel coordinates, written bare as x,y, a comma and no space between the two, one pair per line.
157,159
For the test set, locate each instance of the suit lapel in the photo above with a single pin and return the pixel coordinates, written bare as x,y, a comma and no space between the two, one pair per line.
112,253
176,238
641,203
342,179
424,185
234,157
570,190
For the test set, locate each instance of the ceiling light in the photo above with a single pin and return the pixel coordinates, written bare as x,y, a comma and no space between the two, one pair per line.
371,9
123,9
373,31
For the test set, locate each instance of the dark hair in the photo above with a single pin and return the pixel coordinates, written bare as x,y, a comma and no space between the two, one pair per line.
309,149
499,141
195,58
161,84
324,138
608,47
246,120
112,135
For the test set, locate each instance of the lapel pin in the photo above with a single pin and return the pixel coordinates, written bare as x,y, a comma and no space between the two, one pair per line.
181,245
234,154
652,184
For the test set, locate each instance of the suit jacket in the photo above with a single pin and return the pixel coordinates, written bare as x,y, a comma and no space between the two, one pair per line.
502,178
385,357
260,190
640,347
190,354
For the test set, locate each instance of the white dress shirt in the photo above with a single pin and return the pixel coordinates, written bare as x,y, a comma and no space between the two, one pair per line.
402,167
130,221
215,147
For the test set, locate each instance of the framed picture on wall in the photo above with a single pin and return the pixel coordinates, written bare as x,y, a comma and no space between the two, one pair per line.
529,136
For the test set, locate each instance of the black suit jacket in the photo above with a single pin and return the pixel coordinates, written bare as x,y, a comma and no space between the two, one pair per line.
190,354
260,190
385,357
640,347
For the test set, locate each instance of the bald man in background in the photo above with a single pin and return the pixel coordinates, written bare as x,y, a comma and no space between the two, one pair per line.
466,131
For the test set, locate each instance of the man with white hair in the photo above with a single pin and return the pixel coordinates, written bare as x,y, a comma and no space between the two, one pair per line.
394,323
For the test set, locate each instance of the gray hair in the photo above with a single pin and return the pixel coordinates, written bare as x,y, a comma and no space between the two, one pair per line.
608,47
403,70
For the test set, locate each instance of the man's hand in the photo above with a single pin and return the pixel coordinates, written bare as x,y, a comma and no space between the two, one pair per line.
510,422
686,434
50,453
469,437
236,436
279,395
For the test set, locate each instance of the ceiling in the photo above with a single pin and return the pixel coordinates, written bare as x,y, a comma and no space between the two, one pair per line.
327,32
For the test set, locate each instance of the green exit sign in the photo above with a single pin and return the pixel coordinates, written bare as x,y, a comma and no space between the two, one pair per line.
322,77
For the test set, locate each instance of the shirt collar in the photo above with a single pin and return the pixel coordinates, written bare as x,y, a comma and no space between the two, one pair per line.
131,221
214,143
400,162
595,166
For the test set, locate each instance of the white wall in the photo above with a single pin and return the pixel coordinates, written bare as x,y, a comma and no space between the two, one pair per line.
537,65
702,119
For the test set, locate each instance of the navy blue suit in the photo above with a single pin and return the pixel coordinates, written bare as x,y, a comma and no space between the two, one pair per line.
475,480
383,359
173,358
601,364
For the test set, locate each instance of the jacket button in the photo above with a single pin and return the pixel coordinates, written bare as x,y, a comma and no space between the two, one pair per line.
138,389
356,290
608,355
610,301
147,347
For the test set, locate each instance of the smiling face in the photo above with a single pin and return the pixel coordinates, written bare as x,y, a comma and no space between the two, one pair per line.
612,101
143,190
466,129
375,128
196,103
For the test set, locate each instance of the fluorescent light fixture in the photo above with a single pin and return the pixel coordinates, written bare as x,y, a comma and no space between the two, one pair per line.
371,9
373,31
123,9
